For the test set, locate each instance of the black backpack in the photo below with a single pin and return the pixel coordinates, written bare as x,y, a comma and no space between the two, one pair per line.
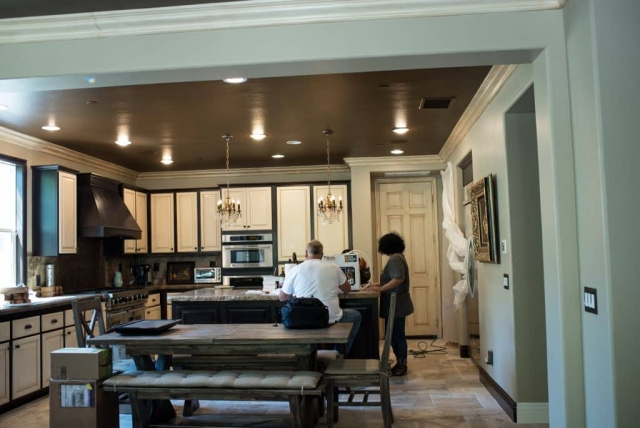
305,312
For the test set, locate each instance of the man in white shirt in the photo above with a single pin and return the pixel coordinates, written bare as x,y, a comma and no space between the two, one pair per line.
324,281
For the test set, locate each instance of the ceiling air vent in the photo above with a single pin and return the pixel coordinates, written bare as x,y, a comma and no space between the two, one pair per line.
436,103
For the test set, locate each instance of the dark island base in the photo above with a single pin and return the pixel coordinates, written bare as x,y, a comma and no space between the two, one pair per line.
366,344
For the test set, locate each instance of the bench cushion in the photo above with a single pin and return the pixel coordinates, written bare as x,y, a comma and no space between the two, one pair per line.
211,379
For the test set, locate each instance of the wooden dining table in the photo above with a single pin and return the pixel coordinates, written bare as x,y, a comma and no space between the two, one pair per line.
242,340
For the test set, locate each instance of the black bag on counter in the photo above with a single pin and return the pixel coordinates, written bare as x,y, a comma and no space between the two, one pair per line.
305,312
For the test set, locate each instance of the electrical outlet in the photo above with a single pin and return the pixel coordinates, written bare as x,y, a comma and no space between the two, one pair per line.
156,267
591,300
505,281
503,246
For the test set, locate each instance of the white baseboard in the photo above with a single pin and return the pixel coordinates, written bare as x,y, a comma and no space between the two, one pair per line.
533,413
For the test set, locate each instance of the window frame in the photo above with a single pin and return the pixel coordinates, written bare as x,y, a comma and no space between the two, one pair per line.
20,274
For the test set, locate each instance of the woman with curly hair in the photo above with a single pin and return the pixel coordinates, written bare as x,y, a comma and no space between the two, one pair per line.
395,279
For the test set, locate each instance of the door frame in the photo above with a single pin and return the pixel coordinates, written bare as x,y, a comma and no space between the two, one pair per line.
436,206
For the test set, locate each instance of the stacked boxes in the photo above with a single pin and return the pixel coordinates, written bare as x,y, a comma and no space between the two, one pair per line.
75,389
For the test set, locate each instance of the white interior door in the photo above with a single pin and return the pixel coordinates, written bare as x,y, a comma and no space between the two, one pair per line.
409,208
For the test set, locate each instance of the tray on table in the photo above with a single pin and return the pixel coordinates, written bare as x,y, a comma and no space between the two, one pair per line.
144,327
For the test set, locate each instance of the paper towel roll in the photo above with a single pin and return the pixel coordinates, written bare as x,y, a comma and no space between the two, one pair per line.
288,267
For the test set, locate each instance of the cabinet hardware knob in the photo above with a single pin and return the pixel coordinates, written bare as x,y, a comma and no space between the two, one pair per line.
54,321
17,346
28,327
195,248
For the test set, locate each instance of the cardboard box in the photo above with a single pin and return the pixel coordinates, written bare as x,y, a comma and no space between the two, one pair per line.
82,404
80,363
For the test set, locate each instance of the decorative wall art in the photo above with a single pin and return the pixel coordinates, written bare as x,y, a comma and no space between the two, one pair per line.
180,272
484,219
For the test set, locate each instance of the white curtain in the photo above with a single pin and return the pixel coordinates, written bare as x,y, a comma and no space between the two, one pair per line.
457,252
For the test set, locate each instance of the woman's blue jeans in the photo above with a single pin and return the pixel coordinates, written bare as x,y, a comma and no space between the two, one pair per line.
398,339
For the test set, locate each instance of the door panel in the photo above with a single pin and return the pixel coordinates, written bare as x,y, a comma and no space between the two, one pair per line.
409,208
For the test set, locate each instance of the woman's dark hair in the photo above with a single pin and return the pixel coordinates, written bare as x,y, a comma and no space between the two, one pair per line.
391,243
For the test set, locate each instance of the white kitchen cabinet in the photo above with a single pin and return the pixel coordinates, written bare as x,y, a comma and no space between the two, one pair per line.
162,223
54,219
70,338
51,341
5,372
294,221
5,360
67,213
152,307
255,205
187,222
136,202
25,374
334,237
209,223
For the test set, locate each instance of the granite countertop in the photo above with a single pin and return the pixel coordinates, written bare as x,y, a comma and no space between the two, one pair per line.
228,294
40,303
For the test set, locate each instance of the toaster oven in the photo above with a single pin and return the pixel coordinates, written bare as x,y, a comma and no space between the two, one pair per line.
207,275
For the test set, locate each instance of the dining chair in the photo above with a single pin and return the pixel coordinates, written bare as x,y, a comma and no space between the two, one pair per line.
343,375
87,329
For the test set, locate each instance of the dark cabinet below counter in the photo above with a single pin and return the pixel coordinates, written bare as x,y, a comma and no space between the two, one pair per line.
366,344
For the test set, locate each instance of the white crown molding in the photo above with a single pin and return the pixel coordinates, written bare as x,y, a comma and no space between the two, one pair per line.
495,80
242,14
241,172
32,143
393,160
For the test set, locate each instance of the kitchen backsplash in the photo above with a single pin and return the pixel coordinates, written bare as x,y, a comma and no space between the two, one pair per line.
91,269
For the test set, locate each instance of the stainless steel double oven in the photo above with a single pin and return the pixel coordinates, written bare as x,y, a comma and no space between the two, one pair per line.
246,258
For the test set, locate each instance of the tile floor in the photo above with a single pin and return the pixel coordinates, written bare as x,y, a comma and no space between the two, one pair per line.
439,391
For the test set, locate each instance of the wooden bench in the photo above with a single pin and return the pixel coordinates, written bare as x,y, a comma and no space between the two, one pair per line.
299,388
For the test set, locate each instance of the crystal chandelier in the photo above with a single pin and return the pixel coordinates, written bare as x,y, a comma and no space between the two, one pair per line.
228,210
328,209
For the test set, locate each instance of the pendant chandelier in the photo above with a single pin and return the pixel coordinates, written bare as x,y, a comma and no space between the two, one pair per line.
228,210
328,209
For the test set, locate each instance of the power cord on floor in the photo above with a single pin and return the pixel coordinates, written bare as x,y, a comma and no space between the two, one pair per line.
423,349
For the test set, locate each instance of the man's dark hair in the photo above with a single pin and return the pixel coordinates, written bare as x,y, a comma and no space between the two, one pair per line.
391,243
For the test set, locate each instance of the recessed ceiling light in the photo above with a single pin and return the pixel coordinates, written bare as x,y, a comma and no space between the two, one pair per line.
294,142
51,128
400,130
397,152
235,80
277,156
123,142
3,107
258,136
91,80
167,161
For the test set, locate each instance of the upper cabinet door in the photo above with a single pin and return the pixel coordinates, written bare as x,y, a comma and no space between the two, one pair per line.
258,210
209,223
67,213
162,223
334,237
187,222
141,218
294,221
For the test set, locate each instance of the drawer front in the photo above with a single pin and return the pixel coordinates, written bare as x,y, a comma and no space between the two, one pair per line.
52,321
153,300
25,327
5,332
68,318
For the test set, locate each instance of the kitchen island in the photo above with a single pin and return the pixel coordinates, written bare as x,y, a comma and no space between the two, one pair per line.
231,306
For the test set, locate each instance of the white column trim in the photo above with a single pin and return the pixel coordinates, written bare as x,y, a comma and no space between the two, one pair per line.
242,14
487,91
36,144
533,413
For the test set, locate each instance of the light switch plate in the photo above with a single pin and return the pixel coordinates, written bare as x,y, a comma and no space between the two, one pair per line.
503,246
505,281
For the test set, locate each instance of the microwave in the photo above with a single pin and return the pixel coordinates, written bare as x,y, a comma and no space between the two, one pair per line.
247,251
207,275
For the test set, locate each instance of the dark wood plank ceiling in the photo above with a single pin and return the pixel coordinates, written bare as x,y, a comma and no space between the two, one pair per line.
187,120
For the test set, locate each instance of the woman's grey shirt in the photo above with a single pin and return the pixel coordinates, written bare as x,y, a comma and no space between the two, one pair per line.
396,268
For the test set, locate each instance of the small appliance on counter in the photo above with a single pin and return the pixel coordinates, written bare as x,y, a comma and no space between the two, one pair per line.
207,275
350,265
143,275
